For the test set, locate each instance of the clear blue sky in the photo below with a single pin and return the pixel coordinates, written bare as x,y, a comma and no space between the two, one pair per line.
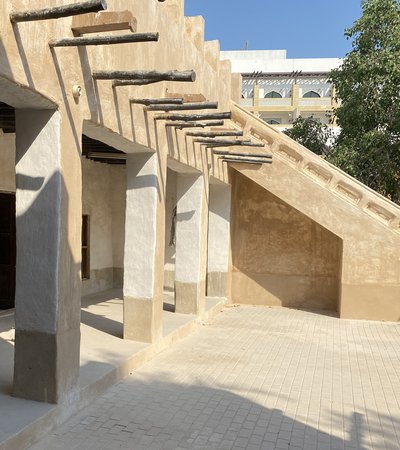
307,28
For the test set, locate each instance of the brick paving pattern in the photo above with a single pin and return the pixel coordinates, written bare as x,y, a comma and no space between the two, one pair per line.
254,378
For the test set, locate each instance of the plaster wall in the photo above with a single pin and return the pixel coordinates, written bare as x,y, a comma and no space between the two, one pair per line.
103,199
280,256
170,251
99,103
7,162
218,239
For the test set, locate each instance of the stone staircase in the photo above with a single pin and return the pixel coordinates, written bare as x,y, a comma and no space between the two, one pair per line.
367,223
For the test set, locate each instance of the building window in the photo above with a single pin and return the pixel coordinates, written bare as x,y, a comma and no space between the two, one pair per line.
273,121
85,247
273,94
311,94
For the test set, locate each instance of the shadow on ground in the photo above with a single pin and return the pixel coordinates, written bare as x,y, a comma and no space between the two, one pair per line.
142,414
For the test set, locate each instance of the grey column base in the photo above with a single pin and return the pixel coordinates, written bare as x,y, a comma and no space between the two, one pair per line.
217,284
46,367
142,321
189,298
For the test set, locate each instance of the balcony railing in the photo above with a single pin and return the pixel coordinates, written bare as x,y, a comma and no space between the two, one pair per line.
323,101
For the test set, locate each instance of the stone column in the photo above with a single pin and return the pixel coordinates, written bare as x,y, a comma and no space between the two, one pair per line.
191,244
144,247
218,240
48,288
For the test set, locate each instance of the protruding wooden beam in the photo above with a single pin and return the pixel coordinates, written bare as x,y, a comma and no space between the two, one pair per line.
188,98
184,107
103,22
222,141
57,12
105,40
194,117
213,143
216,123
157,101
213,134
155,75
229,153
117,83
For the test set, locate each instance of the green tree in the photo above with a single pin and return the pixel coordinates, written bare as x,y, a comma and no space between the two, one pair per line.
368,86
311,133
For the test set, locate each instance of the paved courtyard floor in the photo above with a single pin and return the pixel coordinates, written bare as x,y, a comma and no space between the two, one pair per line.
254,378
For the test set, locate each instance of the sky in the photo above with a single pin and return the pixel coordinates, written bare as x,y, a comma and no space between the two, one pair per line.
306,29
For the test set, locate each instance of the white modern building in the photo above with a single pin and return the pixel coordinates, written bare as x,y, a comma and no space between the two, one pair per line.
279,90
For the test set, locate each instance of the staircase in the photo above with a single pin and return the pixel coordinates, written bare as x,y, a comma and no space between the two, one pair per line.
365,224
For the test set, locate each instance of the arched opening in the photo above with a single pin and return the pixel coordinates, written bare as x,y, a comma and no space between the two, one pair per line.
311,94
273,94
273,121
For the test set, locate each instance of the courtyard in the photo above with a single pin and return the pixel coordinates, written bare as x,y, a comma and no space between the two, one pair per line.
254,378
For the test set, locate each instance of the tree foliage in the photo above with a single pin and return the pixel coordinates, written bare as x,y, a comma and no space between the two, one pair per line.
311,133
368,86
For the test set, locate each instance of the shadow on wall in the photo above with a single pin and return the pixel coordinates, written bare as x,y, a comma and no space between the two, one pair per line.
5,64
281,257
197,416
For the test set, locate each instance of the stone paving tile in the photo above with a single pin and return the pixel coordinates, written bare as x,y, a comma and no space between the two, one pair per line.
254,378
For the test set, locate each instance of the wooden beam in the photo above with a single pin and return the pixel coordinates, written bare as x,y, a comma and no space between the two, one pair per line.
57,12
188,98
117,83
213,134
245,160
214,143
103,22
172,75
157,101
256,144
105,40
181,125
229,153
194,117
184,107
222,141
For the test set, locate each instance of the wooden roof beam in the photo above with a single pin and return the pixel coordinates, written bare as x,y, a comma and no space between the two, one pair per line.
157,101
181,125
145,75
105,40
213,134
194,117
57,12
184,107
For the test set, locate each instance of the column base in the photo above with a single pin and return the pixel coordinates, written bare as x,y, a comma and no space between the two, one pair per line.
217,284
189,298
141,320
46,367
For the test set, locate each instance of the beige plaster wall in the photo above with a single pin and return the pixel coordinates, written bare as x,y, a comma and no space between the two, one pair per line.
7,162
170,251
24,51
280,257
103,198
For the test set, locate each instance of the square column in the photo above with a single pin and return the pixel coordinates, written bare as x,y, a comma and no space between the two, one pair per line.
48,286
218,240
191,244
144,247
